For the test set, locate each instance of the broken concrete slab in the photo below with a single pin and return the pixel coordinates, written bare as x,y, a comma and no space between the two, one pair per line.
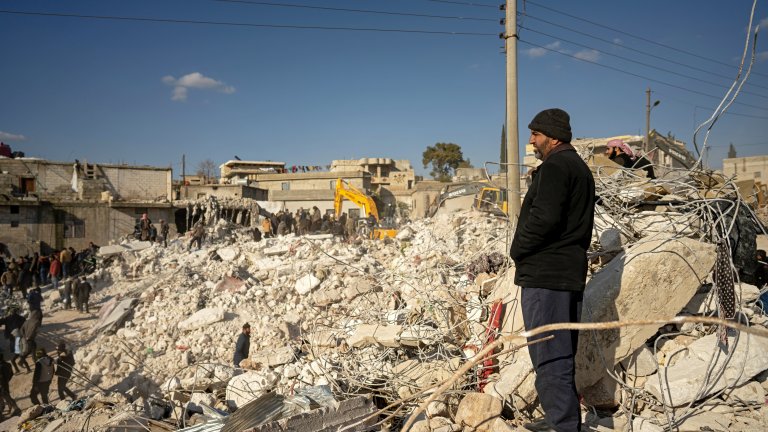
307,283
683,382
202,318
228,253
274,357
640,363
477,411
113,314
749,393
375,334
230,284
653,280
249,386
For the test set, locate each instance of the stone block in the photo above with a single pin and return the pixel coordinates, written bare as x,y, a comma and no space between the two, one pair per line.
749,393
604,394
375,334
274,357
640,363
202,318
326,297
228,253
653,280
306,283
356,288
478,411
683,380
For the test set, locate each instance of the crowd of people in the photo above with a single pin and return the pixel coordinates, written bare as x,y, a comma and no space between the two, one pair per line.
22,279
304,222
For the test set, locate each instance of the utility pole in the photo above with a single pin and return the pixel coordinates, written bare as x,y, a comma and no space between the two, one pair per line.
513,150
647,121
184,174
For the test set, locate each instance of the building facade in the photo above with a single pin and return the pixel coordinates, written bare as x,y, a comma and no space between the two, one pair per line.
46,206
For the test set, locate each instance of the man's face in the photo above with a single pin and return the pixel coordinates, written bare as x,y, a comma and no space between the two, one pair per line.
542,144
610,151
247,331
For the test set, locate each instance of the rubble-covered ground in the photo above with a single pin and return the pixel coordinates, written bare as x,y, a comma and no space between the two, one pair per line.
393,319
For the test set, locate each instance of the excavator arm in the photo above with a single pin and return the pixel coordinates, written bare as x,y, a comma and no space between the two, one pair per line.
346,191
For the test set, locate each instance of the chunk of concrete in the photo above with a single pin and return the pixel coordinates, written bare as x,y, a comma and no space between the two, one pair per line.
683,381
604,394
307,283
275,357
326,297
653,280
749,393
374,334
516,381
640,363
228,253
478,411
202,318
246,387
356,288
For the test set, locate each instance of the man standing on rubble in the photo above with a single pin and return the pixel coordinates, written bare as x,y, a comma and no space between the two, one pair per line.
243,346
164,230
550,253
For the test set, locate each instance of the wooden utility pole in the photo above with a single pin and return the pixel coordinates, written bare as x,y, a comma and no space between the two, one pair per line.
513,149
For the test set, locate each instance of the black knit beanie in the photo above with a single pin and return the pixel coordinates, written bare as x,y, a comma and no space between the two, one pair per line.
554,123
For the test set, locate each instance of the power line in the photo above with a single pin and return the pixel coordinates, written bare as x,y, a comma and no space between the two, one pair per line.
236,24
636,36
368,11
641,63
465,3
638,50
640,76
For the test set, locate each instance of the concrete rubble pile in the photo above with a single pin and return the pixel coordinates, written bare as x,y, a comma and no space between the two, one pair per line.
391,320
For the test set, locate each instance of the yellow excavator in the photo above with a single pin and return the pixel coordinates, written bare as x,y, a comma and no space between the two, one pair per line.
482,195
370,225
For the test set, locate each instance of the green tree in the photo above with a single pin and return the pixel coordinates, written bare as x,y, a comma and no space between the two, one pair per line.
444,158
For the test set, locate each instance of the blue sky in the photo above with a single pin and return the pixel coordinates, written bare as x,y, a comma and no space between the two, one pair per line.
143,92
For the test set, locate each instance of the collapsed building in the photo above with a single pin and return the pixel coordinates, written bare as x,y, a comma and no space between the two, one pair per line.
388,334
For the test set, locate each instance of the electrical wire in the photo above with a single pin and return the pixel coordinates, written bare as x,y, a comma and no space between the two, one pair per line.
240,24
644,39
367,11
641,63
646,53
639,76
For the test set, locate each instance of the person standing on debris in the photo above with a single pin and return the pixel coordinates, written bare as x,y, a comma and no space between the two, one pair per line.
25,277
266,227
65,257
18,349
12,321
8,278
145,224
44,269
550,253
28,339
243,346
274,223
66,293
41,379
34,268
620,152
315,220
164,230
65,363
35,302
83,294
54,271
196,236
5,389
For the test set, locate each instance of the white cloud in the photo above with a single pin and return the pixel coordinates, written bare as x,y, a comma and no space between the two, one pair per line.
6,136
588,55
194,80
541,52
618,41
761,56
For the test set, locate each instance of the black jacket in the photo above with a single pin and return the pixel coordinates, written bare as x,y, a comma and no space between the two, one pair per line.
555,225
242,348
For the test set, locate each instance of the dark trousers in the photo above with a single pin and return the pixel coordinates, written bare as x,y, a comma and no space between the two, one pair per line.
553,360
61,386
40,389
